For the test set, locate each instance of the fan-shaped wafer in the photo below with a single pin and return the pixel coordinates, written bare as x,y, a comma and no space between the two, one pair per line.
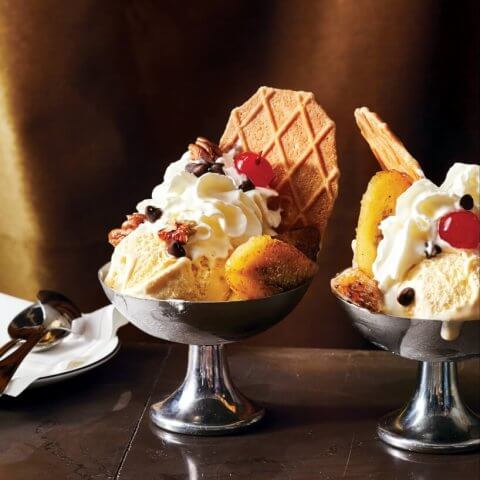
298,138
387,148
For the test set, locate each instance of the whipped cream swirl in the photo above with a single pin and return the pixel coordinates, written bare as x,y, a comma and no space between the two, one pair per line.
225,216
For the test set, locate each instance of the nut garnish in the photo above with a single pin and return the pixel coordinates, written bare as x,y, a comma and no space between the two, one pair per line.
128,226
116,236
204,149
179,232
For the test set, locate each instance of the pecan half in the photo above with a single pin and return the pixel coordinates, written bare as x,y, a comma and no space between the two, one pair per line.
204,149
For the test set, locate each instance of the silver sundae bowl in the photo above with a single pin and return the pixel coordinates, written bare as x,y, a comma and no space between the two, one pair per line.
207,403
435,420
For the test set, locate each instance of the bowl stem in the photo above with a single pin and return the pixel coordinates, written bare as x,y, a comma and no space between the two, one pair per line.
207,402
435,420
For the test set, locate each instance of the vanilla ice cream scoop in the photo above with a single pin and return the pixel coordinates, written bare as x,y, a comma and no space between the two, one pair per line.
444,287
142,267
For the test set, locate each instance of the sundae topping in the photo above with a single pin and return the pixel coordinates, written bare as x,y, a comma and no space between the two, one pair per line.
406,297
198,169
210,225
427,222
216,168
460,229
133,221
153,213
417,214
204,154
246,186
116,236
255,167
466,202
204,149
180,232
128,226
431,250
176,249
224,215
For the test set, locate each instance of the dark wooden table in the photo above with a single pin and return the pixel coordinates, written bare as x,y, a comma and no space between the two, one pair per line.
322,410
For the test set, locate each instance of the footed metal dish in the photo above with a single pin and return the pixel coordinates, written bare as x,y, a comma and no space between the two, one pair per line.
435,420
207,403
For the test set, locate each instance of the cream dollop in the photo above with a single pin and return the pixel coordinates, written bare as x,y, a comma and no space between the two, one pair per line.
225,216
415,225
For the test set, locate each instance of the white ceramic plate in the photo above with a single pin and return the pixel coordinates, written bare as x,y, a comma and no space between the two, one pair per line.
70,373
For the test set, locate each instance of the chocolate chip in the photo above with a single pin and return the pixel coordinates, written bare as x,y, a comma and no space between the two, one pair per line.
466,202
197,168
153,213
246,186
431,250
406,297
216,168
176,249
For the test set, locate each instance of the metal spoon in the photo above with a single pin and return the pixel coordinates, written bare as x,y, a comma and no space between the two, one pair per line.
40,326
57,308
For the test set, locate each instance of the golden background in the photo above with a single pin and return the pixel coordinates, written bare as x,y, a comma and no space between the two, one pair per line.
97,97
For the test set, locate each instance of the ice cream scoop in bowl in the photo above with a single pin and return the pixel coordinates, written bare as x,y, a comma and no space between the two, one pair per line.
207,403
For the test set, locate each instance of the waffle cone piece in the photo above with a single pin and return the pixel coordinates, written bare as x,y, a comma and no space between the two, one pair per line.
298,138
387,148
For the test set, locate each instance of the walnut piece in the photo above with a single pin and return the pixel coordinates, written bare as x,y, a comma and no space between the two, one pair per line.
128,226
180,232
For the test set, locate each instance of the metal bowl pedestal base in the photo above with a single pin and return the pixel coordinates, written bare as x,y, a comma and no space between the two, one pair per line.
435,420
207,403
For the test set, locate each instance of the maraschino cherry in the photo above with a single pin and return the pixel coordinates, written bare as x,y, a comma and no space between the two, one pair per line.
255,167
460,229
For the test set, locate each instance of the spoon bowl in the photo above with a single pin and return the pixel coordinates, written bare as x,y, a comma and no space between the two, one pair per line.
53,312
41,325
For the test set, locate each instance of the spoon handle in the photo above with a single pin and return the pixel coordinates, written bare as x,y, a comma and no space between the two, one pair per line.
9,365
8,346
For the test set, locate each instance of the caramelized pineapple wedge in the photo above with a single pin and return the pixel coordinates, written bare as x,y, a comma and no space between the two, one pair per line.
378,202
264,266
357,287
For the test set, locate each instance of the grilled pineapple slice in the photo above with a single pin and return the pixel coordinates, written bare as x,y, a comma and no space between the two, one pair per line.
264,266
357,287
378,202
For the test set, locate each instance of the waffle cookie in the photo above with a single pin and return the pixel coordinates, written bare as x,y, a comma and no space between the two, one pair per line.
298,138
387,148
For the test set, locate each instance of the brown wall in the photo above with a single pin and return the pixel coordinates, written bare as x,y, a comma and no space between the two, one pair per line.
97,97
